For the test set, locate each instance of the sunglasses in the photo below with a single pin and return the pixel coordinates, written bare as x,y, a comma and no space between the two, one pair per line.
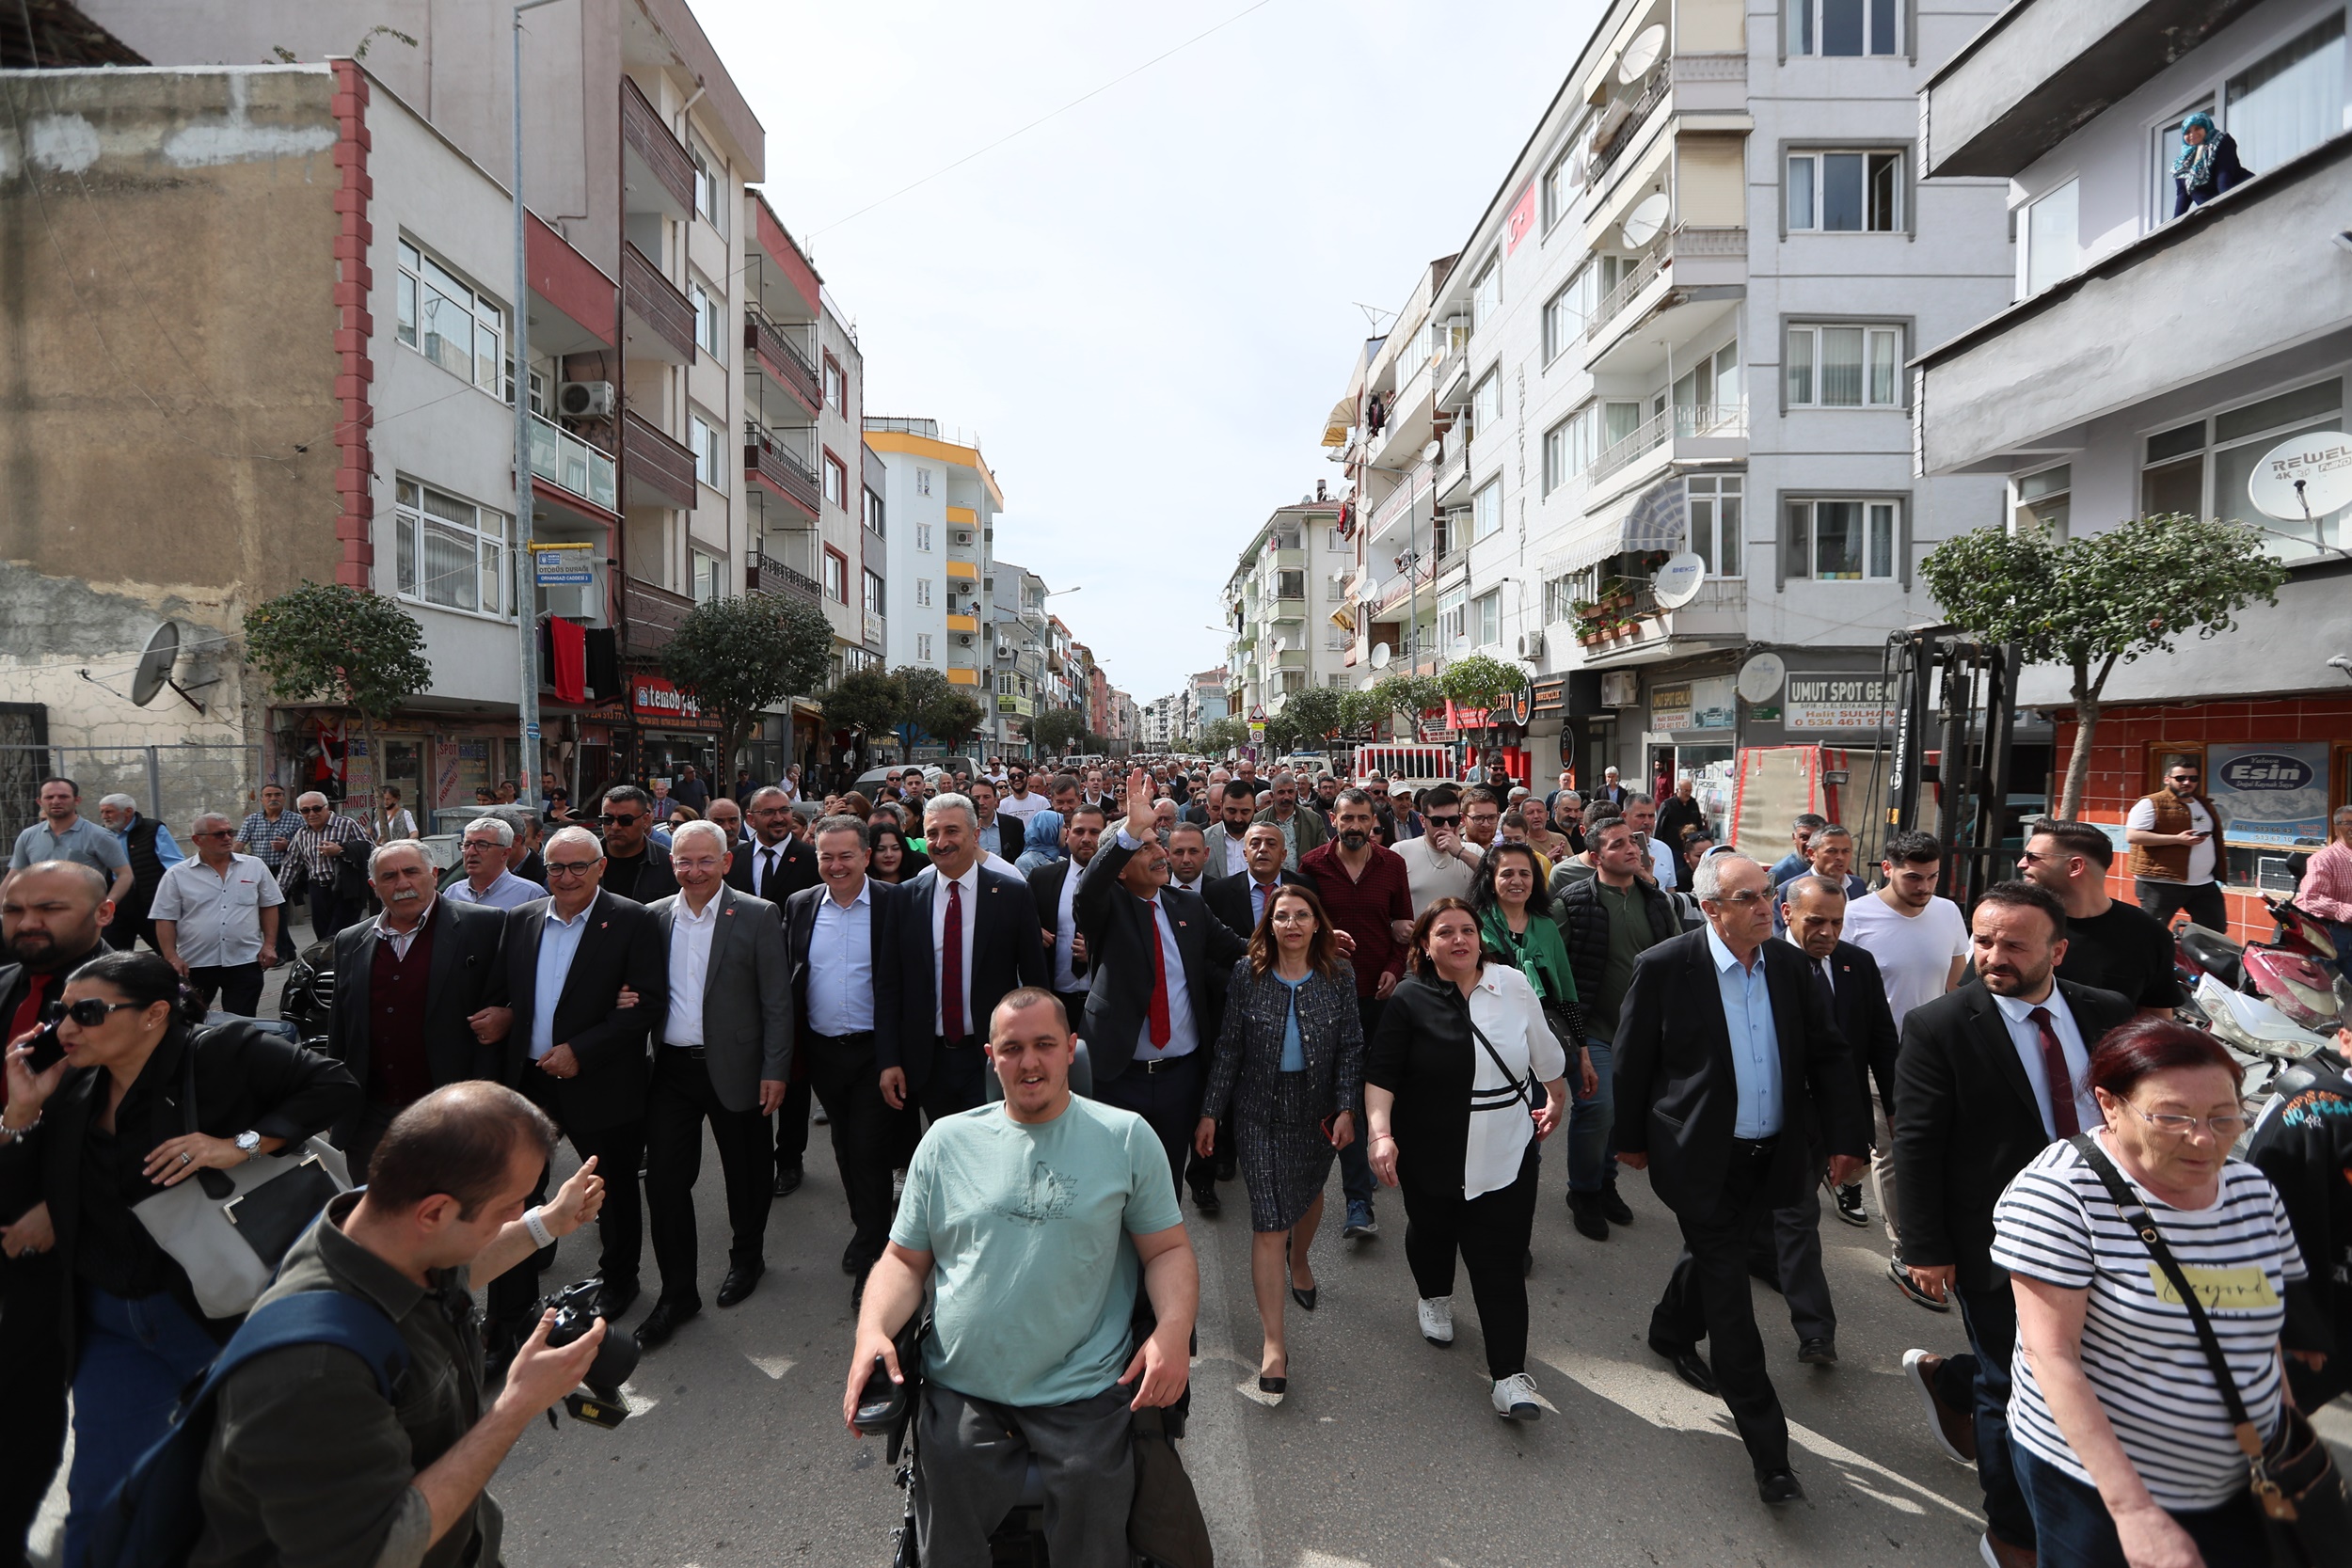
615,821
90,1012
1437,822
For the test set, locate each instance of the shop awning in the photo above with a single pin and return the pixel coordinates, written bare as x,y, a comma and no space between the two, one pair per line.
1655,519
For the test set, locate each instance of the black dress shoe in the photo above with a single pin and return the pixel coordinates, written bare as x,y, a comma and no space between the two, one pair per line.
1207,1200
663,1321
854,1262
1818,1353
741,1280
1305,1298
1612,1208
1780,1486
619,1296
787,1180
1585,1209
1689,1365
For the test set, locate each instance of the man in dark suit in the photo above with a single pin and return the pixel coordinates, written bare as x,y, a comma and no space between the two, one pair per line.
578,1046
1785,1249
778,864
966,935
722,1055
1238,901
1725,1050
1053,889
839,937
1159,960
1989,1075
419,997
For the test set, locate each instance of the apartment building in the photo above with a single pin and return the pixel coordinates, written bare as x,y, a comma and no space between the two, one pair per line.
1680,326
2114,385
1017,606
1287,583
941,503
639,152
1205,701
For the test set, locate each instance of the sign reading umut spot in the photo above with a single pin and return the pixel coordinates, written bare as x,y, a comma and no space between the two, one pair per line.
1835,699
2274,794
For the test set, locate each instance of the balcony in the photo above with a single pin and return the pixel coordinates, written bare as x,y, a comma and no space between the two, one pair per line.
1623,127
782,358
651,616
1644,633
656,174
657,321
1289,610
571,465
1685,284
1683,421
966,623
765,574
1391,511
660,469
770,463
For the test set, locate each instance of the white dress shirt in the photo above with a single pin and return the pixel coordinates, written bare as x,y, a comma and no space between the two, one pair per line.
841,964
1065,928
1236,858
2027,1033
690,962
1184,1036
760,866
403,940
216,915
970,883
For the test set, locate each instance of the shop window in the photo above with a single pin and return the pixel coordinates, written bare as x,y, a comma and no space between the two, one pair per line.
1858,192
1836,539
2043,502
1715,508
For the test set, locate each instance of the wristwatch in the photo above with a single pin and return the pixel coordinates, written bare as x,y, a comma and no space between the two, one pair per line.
248,1144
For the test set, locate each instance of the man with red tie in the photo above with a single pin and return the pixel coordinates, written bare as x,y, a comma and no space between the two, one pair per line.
1159,959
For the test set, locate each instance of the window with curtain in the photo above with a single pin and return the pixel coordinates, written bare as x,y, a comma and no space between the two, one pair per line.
1833,539
2290,101
1487,617
1709,395
2043,502
447,551
1487,510
1849,27
1839,366
445,320
1568,447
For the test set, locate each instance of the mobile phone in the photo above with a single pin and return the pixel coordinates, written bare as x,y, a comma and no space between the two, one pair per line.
1330,1129
48,1051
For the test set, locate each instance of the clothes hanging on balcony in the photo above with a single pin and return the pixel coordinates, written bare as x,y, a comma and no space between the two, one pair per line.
566,648
604,662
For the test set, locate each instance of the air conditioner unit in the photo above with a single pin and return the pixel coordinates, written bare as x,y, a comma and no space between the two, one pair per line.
1619,689
586,400
963,536
963,640
1531,644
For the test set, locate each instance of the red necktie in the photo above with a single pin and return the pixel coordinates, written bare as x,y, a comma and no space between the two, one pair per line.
2061,1082
1161,1030
951,968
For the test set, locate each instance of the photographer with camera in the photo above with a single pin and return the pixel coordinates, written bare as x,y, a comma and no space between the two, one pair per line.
308,1462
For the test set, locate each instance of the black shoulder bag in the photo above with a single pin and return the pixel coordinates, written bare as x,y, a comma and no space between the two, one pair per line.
1524,1088
2293,1478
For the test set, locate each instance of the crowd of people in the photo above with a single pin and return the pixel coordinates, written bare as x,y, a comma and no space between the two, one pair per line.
1016,998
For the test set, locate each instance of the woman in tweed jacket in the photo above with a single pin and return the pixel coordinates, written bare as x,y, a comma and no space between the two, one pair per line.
1291,1056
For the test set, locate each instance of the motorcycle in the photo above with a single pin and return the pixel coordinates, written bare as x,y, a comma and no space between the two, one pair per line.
308,1003
2299,972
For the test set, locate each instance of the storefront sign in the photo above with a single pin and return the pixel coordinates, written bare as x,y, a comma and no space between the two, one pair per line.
1549,695
2273,795
662,706
1715,703
1834,701
1670,707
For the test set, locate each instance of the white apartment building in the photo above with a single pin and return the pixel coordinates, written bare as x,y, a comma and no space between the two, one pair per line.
941,503
1680,324
1287,582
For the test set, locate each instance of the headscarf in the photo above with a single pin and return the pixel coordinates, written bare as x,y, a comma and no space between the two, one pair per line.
1540,955
2194,164
1040,842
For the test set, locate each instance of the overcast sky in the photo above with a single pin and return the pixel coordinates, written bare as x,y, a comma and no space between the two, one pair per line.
1143,307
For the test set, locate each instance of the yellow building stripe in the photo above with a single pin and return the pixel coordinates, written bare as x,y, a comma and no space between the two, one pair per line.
945,452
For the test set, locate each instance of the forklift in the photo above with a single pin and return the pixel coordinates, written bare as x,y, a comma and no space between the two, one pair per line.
1955,701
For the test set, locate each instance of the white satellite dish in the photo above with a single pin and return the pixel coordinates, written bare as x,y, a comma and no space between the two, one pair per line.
1677,582
2303,478
1380,656
155,669
1370,592
1760,677
1648,218
1643,52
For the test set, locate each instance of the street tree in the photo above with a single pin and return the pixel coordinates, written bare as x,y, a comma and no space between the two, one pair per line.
1315,715
739,657
1479,681
872,702
935,707
2091,603
327,643
1399,693
1057,729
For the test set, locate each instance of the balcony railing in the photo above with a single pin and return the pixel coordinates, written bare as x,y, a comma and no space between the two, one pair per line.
771,576
656,301
643,134
782,355
653,615
770,462
1645,273
1683,419
1630,127
660,470
568,463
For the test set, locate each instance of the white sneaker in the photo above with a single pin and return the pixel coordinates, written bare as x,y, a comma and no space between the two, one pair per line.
1514,1399
1436,1319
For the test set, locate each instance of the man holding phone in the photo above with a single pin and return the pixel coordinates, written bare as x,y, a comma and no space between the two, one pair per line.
2179,856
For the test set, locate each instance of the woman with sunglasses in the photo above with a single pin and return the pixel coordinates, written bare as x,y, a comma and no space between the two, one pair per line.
1290,1065
104,1127
892,860
1450,1094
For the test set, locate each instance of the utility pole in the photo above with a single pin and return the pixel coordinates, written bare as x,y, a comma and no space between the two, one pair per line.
527,591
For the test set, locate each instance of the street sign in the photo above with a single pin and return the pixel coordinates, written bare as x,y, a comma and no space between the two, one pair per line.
531,732
564,565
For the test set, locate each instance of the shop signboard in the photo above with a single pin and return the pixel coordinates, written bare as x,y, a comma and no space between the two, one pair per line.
1670,707
660,705
2273,795
1715,703
1836,700
1549,694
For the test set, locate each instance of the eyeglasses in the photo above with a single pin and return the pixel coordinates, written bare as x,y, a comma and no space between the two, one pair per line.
314,810
2173,1125
90,1012
630,821
569,868
1742,899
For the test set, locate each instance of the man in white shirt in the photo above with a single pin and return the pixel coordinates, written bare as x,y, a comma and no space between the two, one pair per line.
216,918
1018,802
836,936
2178,857
1188,858
1440,863
483,851
1055,887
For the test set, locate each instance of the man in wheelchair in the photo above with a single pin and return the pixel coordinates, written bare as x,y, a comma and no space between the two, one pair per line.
1033,1220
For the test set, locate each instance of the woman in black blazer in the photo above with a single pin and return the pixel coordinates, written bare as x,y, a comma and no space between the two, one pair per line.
1290,1061
103,1129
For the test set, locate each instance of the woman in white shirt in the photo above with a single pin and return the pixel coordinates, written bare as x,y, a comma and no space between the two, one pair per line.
1450,1094
391,821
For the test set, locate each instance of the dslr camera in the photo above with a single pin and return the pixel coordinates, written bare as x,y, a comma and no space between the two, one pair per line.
577,1309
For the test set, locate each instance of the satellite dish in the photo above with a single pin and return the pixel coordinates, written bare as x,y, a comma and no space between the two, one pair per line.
1677,583
155,662
1641,53
1642,224
1370,592
1380,656
1434,451
1760,677
2304,477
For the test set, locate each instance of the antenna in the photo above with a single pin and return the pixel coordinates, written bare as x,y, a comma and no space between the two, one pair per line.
155,667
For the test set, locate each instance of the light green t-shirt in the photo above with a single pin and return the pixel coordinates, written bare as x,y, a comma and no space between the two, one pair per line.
1028,1227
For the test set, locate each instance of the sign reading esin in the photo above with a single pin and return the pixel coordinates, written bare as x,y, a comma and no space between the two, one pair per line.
2275,795
1834,701
564,565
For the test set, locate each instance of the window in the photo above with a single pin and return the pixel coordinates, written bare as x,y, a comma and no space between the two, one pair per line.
1561,183
1841,541
1708,394
923,485
836,575
447,322
1487,404
923,645
1846,192
1845,366
702,433
1335,588
837,386
1486,616
923,591
710,184
1714,503
2052,248
1568,448
2041,502
874,594
1290,585
448,551
2289,100
708,577
710,324
836,482
1452,633
1848,28
923,537
1486,295
2203,467
874,515
1487,510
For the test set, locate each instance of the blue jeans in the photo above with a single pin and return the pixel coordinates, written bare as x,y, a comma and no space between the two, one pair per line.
136,1356
2076,1532
1593,1123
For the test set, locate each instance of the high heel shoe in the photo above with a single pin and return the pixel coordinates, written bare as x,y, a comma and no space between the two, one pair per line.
1305,1298
1274,1386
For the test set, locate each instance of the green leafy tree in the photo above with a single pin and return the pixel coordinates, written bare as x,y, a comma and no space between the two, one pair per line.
1281,733
1220,735
1479,681
1407,694
936,706
740,657
1057,729
872,701
325,642
1315,715
2091,603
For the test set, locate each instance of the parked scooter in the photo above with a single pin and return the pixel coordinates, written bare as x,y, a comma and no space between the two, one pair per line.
2298,971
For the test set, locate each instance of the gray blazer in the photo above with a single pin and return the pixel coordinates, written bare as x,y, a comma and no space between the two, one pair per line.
1217,838
1247,1076
747,997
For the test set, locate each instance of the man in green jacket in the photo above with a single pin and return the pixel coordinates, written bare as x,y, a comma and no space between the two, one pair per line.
1302,831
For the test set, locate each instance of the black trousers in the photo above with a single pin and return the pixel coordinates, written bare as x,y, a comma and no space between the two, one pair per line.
329,911
238,986
791,1126
619,1151
867,1135
1978,1382
1491,1233
32,1391
2203,902
957,1080
1169,1099
681,1102
1785,1251
1707,1298
359,1149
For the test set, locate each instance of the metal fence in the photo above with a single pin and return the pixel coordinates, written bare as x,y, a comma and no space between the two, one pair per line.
169,783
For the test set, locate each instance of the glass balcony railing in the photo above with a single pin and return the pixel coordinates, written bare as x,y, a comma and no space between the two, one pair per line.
570,463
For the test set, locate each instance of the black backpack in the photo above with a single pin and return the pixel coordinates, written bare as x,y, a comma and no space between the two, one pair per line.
152,1519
